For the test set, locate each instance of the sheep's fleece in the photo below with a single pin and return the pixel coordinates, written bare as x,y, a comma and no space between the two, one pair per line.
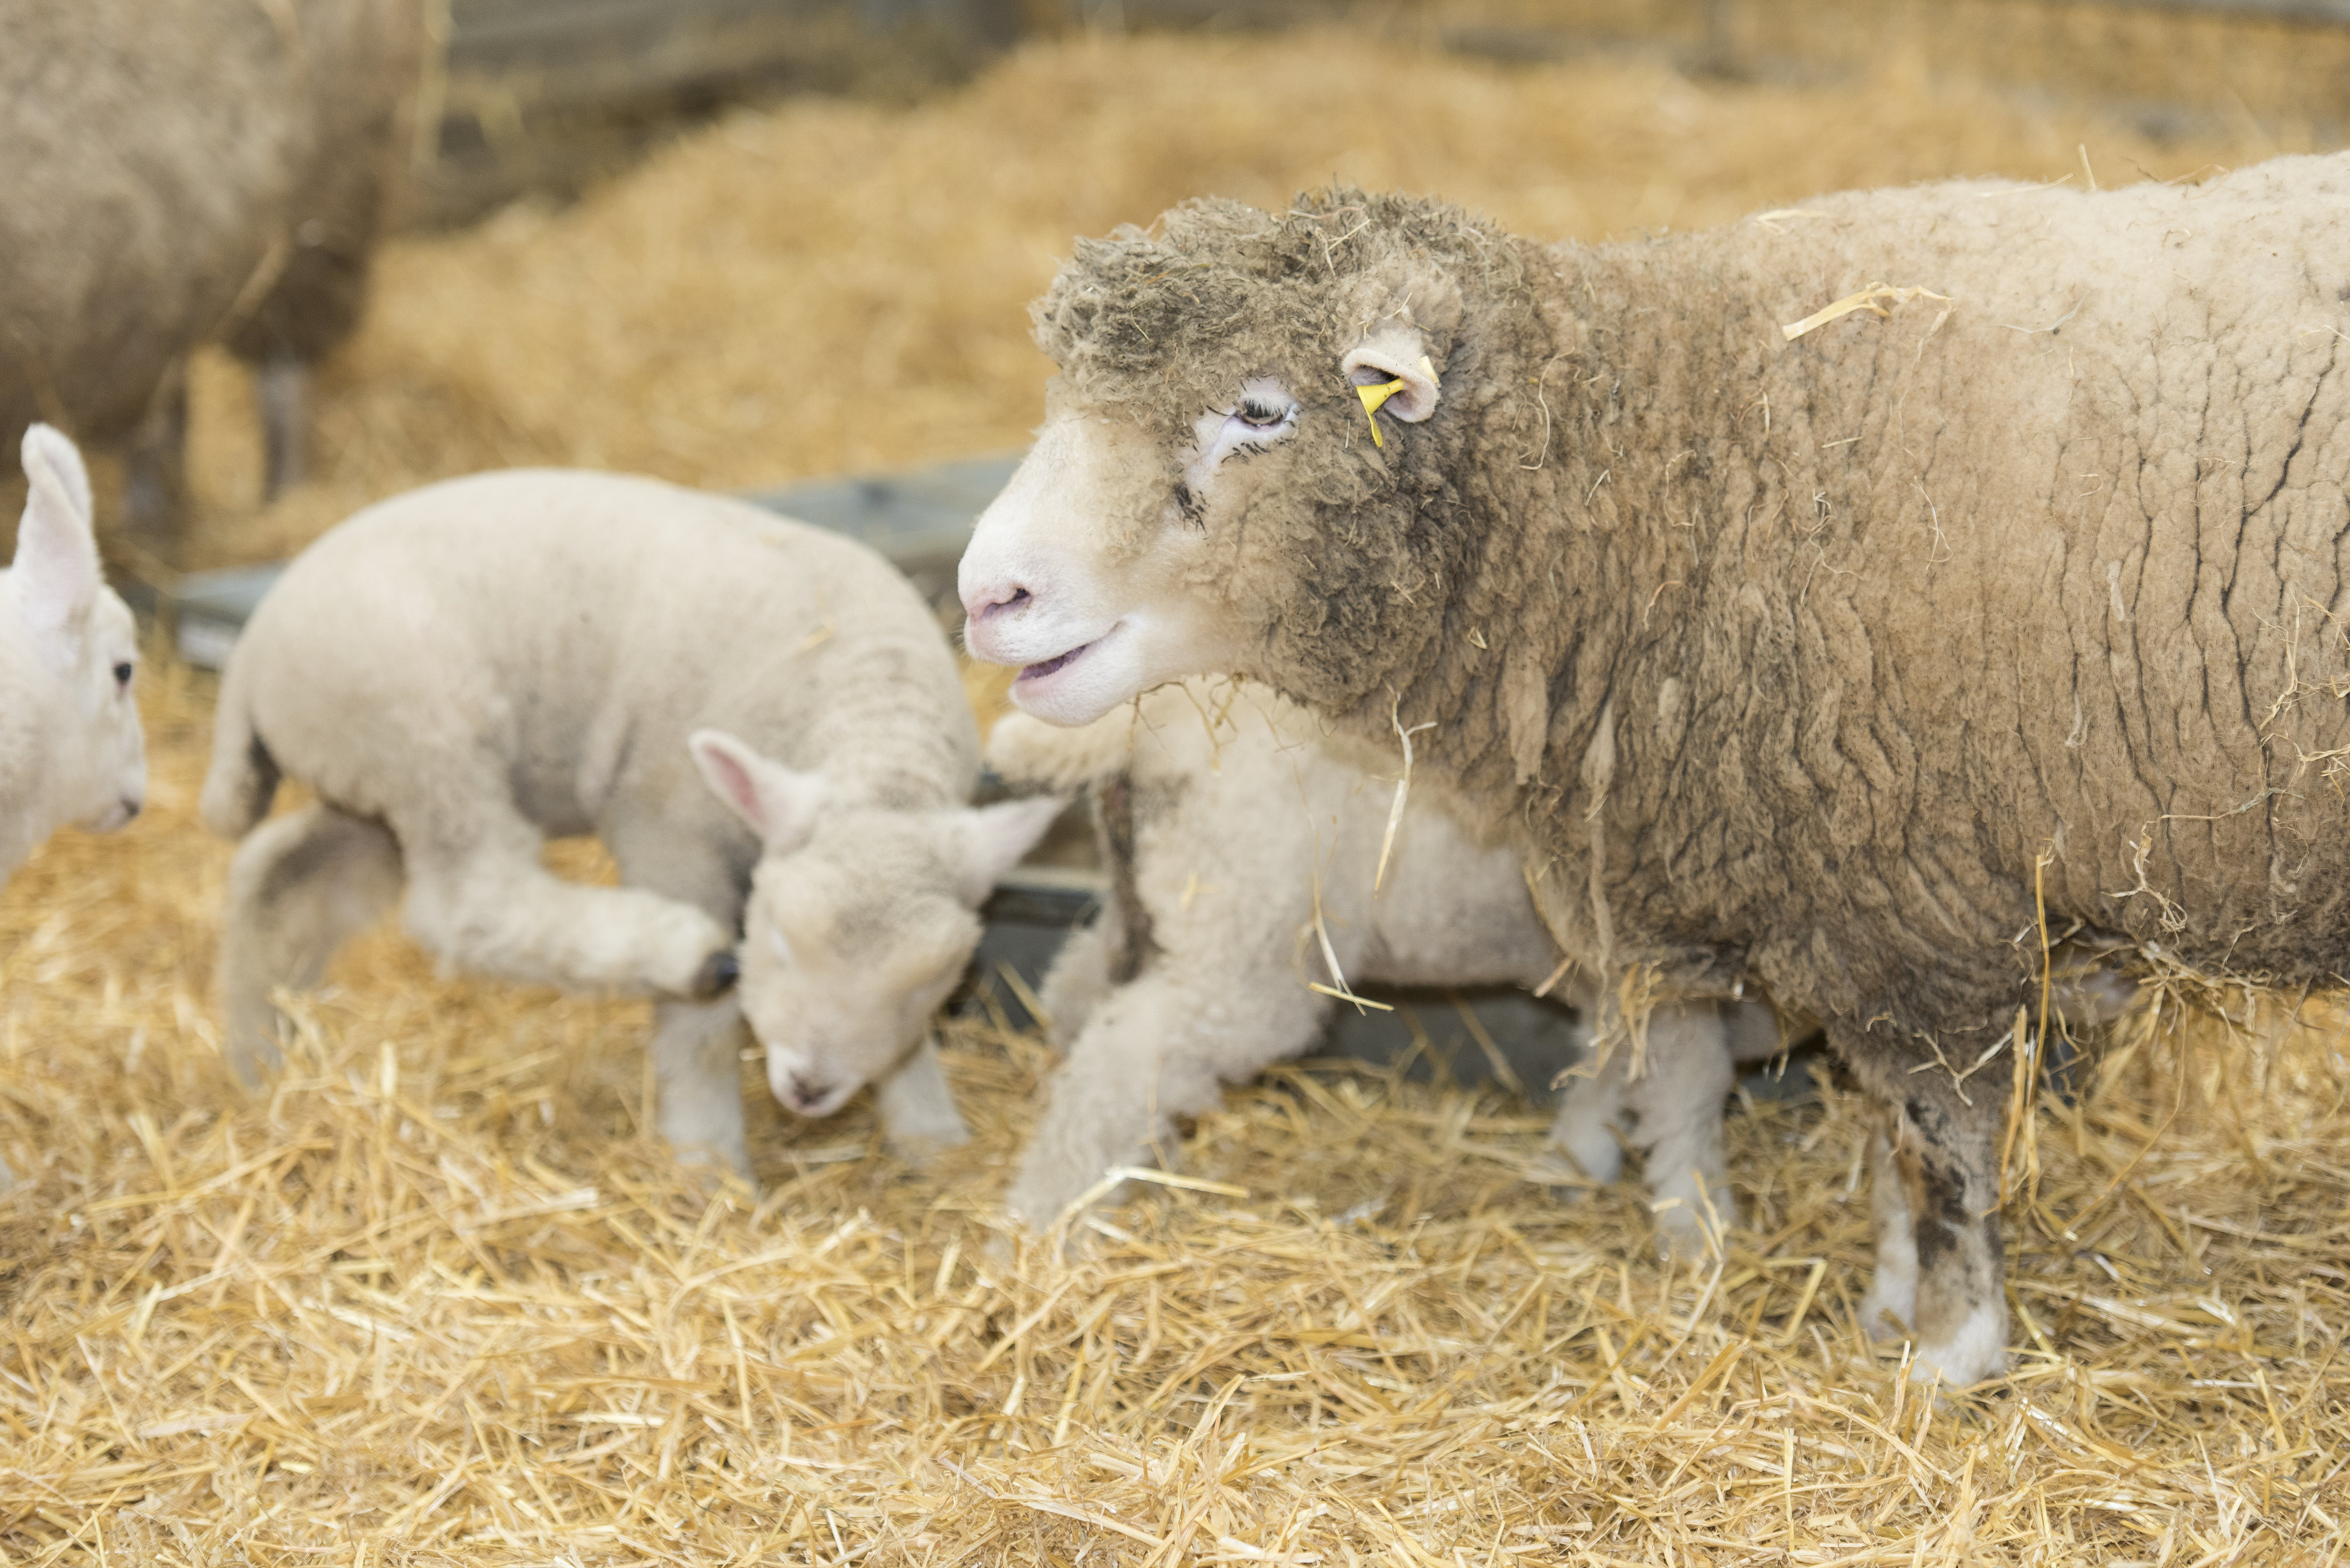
1805,656
1227,821
465,668
181,172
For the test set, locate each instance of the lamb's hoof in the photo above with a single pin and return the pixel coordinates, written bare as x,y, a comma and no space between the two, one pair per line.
918,1146
716,976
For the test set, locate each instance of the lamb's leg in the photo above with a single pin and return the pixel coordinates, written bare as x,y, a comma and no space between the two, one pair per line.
1154,1049
1676,1106
696,1046
697,1049
1079,977
299,887
918,1117
1590,1113
1935,1199
483,901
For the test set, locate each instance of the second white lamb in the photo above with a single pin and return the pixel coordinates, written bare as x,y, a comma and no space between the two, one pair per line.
761,720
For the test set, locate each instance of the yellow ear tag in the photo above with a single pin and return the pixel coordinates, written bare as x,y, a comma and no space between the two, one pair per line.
1372,398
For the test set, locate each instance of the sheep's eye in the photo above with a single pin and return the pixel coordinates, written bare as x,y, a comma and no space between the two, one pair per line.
1259,414
122,672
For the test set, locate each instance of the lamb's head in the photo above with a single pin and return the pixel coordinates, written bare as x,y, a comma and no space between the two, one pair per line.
861,917
67,652
1253,457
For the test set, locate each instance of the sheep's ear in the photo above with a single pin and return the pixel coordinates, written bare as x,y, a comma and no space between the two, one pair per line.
778,803
55,572
994,837
1392,353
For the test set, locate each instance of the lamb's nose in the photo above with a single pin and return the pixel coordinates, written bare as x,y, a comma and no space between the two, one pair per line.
807,1092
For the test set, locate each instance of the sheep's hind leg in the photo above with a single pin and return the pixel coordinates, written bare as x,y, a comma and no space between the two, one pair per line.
489,905
1590,1114
1677,1105
299,887
1940,1268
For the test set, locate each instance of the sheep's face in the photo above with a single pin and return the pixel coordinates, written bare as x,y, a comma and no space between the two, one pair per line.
849,945
1242,466
70,656
861,919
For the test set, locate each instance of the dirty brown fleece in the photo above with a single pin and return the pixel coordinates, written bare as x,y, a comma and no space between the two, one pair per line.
1795,657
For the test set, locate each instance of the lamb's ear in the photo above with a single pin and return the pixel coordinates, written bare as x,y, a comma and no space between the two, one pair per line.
778,803
56,571
994,837
1394,352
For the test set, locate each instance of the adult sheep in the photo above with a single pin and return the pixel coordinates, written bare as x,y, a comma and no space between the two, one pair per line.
210,170
1817,629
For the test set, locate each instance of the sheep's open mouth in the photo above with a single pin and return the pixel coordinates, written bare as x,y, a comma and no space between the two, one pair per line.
1057,662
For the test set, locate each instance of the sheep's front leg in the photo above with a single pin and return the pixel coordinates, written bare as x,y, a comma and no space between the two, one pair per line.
299,887
1941,1268
285,388
696,1049
1154,1049
489,905
918,1117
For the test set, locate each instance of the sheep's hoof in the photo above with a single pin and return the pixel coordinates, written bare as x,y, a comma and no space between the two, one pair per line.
716,976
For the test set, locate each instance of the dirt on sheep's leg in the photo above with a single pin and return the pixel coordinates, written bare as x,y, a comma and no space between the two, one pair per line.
1935,1197
298,888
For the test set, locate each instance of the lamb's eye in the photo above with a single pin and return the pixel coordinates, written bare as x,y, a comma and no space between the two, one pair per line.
1257,413
122,673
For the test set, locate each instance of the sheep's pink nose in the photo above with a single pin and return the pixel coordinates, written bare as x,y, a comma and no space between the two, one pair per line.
981,603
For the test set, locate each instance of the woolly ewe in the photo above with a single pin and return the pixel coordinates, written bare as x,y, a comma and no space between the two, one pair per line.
761,722
1822,592
181,173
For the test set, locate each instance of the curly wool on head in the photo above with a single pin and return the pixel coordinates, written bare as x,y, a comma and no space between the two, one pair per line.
1158,328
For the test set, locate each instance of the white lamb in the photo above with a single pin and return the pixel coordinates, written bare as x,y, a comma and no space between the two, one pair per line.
70,745
1225,816
463,670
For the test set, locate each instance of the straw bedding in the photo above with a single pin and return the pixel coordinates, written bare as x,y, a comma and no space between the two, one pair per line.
439,1298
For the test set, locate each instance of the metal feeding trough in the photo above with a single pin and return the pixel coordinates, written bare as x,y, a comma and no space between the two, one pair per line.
921,520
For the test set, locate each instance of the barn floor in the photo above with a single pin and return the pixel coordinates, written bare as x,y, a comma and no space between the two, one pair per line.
437,1299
